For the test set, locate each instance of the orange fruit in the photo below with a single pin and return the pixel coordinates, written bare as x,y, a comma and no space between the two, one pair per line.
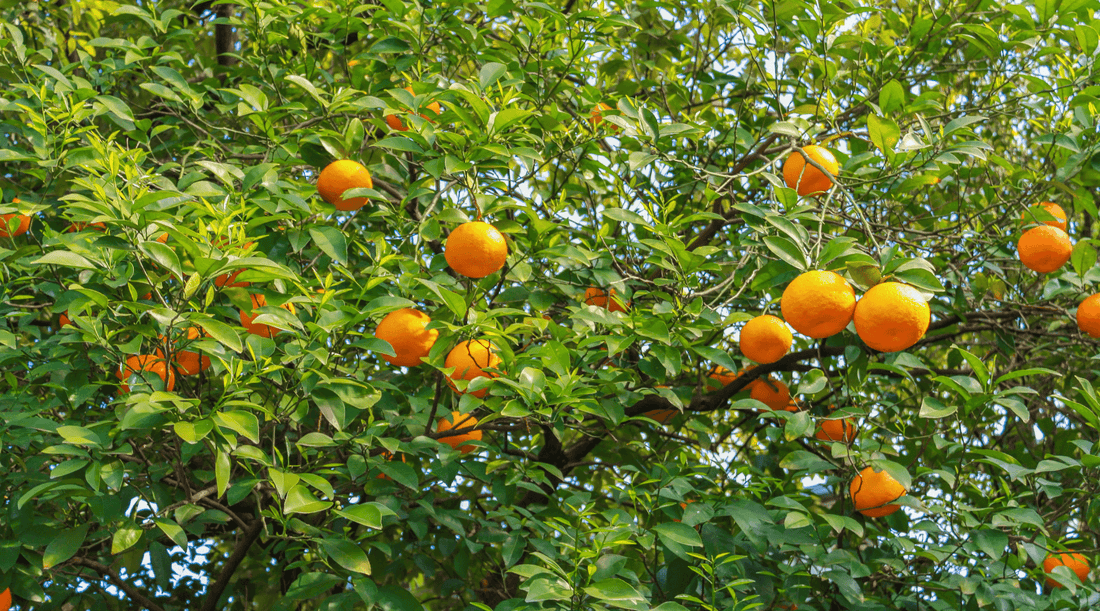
774,394
153,363
470,360
64,319
475,249
1073,561
662,416
395,123
722,376
5,599
1044,248
230,280
1088,315
892,317
339,176
1051,208
804,177
12,225
836,429
404,330
458,420
873,492
818,304
189,362
259,301
765,339
597,115
601,299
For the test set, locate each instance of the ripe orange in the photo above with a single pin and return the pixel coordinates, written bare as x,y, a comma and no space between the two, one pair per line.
458,420
892,317
1073,561
873,492
404,330
1044,249
153,363
1051,208
1088,315
818,304
836,429
662,416
230,280
259,301
470,359
601,299
774,394
5,599
805,178
597,115
189,362
475,249
339,176
12,225
765,339
722,376
64,319
395,123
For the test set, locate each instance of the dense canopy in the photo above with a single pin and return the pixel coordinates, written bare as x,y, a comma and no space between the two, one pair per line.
197,413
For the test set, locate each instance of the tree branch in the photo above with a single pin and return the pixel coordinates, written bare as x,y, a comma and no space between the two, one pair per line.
239,552
112,576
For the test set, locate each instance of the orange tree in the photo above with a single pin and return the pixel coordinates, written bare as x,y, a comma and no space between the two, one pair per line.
198,414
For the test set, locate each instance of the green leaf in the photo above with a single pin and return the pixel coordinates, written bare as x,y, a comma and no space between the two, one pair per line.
678,533
223,333
367,514
222,465
932,407
1083,257
347,554
992,542
125,538
64,258
625,216
490,73
884,133
616,592
244,423
174,531
390,45
891,97
300,499
332,242
79,435
64,546
399,143
787,251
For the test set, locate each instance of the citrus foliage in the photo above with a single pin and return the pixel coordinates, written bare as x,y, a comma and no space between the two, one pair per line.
166,158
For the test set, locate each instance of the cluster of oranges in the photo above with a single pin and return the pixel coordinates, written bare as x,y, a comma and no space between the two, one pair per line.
890,317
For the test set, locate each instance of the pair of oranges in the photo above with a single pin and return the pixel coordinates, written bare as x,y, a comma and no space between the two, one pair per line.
890,317
186,362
